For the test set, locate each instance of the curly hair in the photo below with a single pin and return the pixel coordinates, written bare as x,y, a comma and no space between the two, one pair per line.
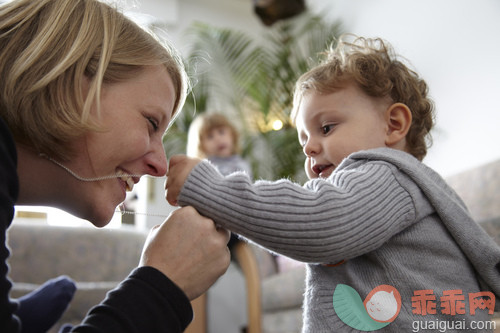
373,65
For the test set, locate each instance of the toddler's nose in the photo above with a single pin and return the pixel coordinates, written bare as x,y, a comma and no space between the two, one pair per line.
311,148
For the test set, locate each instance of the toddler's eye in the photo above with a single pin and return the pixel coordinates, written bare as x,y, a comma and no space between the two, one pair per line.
327,128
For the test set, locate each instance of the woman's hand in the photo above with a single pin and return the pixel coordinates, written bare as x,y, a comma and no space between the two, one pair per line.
189,250
179,168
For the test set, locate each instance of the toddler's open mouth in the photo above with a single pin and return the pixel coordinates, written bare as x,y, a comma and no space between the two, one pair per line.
323,170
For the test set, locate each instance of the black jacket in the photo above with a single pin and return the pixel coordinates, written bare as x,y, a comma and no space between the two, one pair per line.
146,301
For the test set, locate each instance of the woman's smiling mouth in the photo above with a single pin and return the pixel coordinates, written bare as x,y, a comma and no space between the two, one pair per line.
128,179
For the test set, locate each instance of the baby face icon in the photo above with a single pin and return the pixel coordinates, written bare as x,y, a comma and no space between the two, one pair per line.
383,303
380,308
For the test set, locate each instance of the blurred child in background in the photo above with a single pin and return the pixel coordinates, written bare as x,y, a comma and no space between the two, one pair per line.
213,137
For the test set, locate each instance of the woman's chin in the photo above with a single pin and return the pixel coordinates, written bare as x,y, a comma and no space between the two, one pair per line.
101,217
100,224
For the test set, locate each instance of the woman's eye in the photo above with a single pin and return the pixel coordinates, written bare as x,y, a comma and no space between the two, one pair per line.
326,128
153,123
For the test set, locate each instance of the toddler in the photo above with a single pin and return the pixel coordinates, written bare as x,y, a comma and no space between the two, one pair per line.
214,137
373,220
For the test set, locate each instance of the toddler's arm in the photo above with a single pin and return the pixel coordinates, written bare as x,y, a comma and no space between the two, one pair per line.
179,168
324,221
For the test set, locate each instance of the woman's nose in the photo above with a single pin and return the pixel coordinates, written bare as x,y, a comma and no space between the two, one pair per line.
156,161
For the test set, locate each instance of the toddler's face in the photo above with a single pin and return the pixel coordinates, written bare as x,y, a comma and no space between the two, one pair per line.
218,142
332,126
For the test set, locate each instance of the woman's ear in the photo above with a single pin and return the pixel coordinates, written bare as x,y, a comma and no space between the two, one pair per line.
398,118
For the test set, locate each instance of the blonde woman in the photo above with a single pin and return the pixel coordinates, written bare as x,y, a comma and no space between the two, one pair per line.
85,98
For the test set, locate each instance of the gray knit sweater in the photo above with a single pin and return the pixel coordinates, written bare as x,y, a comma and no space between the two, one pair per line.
392,219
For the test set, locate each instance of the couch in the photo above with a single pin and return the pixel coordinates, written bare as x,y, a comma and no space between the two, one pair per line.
96,259
274,292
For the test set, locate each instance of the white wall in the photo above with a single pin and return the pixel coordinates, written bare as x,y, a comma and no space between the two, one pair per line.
178,15
453,44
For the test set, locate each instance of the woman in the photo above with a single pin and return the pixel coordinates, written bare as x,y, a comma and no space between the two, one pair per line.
85,98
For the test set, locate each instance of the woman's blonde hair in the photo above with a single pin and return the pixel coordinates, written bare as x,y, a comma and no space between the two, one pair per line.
374,67
201,126
48,48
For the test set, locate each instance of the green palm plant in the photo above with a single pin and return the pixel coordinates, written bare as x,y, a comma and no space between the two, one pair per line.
251,80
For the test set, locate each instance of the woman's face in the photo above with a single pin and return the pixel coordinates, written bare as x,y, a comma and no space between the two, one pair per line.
134,115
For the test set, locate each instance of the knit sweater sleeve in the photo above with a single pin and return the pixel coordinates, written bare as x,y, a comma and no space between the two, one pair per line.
351,213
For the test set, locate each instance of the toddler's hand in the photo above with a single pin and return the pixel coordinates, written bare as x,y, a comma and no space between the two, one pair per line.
179,168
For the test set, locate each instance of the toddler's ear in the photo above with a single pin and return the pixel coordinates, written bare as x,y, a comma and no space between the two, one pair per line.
398,117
